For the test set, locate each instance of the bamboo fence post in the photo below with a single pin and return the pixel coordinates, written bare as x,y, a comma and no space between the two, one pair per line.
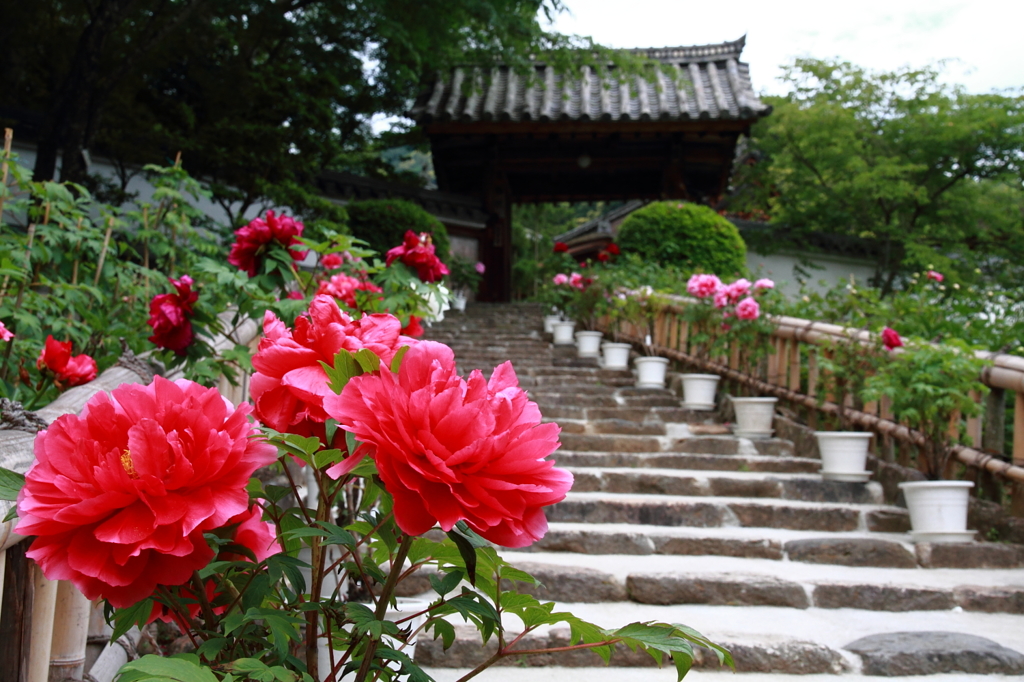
103,251
44,599
70,633
974,424
684,335
794,366
812,384
1017,499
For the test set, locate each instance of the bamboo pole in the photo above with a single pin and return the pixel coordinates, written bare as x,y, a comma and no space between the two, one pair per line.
3,571
44,599
4,169
70,632
103,251
794,366
115,655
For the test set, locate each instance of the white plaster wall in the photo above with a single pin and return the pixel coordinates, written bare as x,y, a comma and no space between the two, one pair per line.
781,267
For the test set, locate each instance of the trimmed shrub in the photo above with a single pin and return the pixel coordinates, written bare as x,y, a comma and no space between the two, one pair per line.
684,235
382,223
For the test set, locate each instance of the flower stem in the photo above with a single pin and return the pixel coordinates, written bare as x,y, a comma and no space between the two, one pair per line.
382,603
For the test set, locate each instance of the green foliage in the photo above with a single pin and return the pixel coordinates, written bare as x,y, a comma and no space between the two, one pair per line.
686,236
382,224
845,366
534,227
928,386
463,274
926,171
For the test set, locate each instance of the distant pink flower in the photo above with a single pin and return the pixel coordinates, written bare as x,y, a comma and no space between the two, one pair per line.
332,261
737,290
252,240
560,279
5,333
344,288
764,283
449,449
119,496
721,298
480,267
417,251
703,286
577,281
937,276
891,339
748,309
295,296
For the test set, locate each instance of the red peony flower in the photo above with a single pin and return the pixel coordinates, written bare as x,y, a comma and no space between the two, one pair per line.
417,251
344,288
170,316
119,496
289,385
613,249
251,241
5,333
561,247
449,449
891,339
295,296
604,256
69,371
332,261
414,328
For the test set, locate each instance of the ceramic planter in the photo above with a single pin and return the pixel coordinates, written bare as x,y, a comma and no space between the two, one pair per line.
844,455
563,333
459,302
699,391
754,417
938,510
650,372
588,344
616,355
549,323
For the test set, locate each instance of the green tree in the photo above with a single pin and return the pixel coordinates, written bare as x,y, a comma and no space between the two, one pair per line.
931,173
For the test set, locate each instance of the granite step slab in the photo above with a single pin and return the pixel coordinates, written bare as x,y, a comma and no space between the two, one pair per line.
691,461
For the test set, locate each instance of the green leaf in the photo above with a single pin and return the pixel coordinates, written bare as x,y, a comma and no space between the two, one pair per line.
396,362
136,614
467,552
368,360
12,514
447,584
211,647
444,630
183,669
327,457
11,483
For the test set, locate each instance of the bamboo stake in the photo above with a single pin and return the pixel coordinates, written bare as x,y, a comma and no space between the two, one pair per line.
103,251
44,599
4,168
70,633
74,268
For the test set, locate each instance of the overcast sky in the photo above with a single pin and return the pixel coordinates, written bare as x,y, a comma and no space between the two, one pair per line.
984,37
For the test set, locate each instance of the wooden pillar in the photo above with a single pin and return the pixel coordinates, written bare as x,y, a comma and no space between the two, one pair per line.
17,612
496,245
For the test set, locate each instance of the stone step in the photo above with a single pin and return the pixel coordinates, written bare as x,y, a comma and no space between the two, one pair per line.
656,413
710,511
803,487
688,460
676,441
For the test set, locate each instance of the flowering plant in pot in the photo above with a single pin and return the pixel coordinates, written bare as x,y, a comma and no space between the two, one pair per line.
464,279
148,500
929,388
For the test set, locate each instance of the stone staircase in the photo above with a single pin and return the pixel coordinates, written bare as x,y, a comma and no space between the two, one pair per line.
672,519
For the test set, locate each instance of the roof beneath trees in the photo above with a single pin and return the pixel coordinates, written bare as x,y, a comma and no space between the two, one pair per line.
705,82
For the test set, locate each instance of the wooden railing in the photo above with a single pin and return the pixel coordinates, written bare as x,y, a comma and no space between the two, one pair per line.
49,631
792,374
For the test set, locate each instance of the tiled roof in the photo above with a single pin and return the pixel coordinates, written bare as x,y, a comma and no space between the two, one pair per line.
703,82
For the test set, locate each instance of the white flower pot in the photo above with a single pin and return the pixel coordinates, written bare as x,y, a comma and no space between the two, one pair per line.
459,302
549,323
650,372
403,608
754,417
844,455
938,510
699,391
588,344
563,332
616,355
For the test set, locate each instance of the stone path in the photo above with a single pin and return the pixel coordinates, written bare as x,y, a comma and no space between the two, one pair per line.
671,520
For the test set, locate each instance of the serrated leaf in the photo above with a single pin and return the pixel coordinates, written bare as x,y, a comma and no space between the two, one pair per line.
444,630
124,619
368,360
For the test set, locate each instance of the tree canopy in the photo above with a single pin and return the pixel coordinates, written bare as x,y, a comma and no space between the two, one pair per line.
257,96
930,173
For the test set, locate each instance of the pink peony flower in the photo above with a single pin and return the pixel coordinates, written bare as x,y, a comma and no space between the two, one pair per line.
344,288
577,281
69,371
170,316
748,309
332,261
703,286
251,241
764,283
480,267
119,496
295,296
449,449
737,290
560,279
721,298
937,276
289,384
5,333
417,251
891,339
